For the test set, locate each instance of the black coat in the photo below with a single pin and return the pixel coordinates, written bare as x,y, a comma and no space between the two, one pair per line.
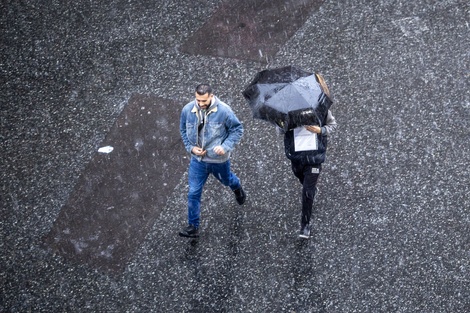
311,157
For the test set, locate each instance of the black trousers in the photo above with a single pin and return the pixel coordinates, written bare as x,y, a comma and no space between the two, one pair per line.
308,176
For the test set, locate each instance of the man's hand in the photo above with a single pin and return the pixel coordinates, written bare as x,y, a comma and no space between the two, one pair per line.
198,151
219,150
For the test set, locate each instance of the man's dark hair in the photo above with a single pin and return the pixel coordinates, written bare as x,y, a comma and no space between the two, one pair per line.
202,89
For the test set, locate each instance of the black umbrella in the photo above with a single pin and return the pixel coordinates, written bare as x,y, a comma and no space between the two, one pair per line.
287,97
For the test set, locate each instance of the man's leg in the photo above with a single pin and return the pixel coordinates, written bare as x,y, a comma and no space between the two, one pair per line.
197,177
223,173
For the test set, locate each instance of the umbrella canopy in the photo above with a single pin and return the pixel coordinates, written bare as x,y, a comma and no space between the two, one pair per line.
287,97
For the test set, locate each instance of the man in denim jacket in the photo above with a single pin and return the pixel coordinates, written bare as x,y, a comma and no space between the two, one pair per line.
210,130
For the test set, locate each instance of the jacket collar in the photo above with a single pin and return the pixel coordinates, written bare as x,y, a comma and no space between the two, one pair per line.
212,108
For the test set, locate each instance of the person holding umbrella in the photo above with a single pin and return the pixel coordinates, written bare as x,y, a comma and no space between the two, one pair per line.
305,147
209,130
298,103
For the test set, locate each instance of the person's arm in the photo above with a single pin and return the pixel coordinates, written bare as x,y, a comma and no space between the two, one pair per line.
187,144
235,132
330,125
326,129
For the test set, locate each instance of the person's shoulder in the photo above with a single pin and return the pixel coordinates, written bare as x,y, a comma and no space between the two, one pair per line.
222,105
188,106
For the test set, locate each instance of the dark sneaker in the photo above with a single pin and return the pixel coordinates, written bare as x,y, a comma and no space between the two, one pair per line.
190,231
240,195
305,232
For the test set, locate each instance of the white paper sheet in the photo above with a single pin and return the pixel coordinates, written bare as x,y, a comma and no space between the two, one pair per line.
304,140
106,149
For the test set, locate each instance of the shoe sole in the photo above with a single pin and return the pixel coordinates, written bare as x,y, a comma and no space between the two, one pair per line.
305,237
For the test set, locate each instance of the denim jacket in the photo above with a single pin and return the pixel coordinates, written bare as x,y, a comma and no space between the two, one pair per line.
220,127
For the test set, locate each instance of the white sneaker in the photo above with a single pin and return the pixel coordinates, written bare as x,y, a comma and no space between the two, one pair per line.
305,232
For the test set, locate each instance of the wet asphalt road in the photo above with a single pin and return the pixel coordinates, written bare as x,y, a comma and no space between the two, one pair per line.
87,232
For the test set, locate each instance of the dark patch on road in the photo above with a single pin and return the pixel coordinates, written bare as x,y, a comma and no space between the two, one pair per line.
250,30
121,194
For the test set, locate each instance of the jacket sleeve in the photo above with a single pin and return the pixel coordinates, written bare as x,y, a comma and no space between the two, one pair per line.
235,132
184,136
330,125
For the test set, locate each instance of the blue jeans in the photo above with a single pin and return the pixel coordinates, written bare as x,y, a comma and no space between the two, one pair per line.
198,173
